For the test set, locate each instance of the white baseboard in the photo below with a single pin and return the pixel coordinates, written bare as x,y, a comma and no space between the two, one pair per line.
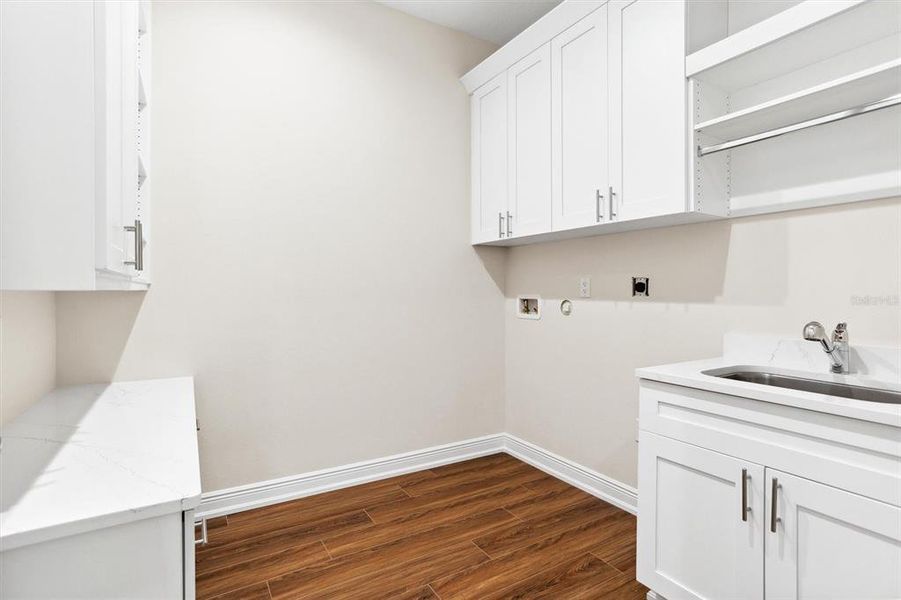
255,495
609,490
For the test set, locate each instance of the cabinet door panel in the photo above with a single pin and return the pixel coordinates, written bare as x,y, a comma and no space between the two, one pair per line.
489,160
648,107
529,92
116,26
830,544
692,540
579,133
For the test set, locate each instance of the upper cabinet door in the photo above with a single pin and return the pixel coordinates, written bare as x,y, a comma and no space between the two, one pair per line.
116,26
829,544
700,535
580,129
529,102
648,108
489,161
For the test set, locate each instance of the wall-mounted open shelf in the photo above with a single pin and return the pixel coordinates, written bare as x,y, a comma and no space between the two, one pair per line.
800,109
797,37
839,96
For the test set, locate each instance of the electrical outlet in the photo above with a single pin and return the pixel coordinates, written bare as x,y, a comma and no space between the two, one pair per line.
641,286
585,287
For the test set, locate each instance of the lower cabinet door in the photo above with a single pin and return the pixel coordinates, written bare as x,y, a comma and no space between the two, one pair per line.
700,526
828,544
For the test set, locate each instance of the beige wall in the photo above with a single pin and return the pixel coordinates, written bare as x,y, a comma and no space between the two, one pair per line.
312,266
570,380
27,350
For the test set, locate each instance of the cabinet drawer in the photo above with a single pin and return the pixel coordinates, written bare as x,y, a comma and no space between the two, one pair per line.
846,453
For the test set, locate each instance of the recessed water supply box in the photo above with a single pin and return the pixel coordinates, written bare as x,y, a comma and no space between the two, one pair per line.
528,307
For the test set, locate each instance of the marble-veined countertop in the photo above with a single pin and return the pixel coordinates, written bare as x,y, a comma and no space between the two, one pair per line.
92,456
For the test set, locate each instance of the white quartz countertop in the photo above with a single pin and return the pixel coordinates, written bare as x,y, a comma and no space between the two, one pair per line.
93,456
691,374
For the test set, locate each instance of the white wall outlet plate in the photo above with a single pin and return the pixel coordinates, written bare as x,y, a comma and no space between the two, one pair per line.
528,307
585,287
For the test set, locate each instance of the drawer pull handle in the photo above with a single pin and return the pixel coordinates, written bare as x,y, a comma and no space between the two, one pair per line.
745,509
204,540
774,519
138,229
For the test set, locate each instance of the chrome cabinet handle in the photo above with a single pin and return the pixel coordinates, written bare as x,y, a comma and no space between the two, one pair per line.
745,509
611,194
509,224
138,230
773,518
500,225
598,198
204,540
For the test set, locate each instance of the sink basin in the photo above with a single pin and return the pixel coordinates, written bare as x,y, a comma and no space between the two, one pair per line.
844,390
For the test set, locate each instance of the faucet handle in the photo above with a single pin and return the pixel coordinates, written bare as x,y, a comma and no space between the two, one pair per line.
841,333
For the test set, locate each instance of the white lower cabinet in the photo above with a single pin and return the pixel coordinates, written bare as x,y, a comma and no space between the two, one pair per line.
829,544
148,559
707,534
716,522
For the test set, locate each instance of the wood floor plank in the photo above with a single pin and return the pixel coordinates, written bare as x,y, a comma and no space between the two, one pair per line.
386,565
617,546
547,502
547,484
410,478
405,593
525,533
623,588
445,534
258,570
496,473
583,577
474,464
424,518
222,555
499,573
356,578
313,508
480,498
259,591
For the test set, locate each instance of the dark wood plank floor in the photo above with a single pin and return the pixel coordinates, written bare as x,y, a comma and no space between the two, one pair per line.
489,528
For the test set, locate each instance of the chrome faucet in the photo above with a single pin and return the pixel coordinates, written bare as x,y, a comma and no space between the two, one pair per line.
838,349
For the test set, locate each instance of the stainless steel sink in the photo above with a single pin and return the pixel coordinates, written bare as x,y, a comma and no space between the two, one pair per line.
854,392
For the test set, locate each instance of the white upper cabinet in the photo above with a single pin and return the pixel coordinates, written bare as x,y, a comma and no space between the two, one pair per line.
579,81
648,108
529,135
489,160
829,544
75,140
757,118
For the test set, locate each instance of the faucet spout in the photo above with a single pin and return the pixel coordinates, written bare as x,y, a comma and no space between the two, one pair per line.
837,348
